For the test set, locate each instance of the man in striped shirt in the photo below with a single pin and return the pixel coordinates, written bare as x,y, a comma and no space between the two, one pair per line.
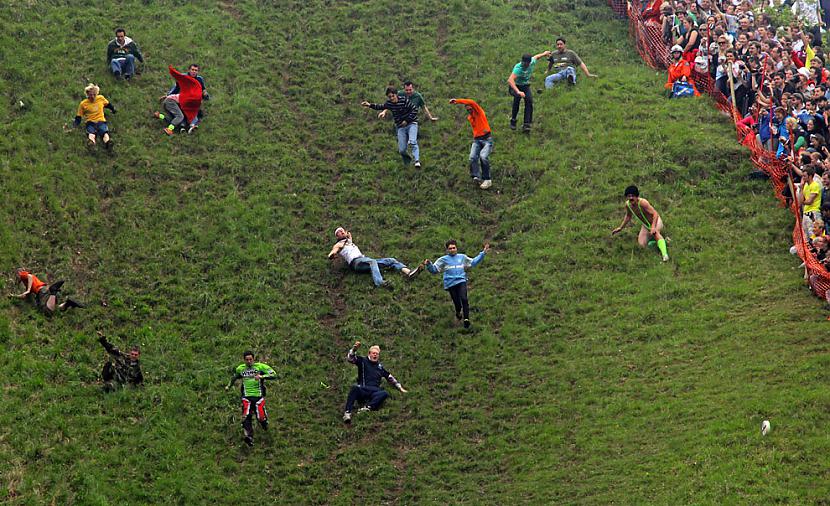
405,115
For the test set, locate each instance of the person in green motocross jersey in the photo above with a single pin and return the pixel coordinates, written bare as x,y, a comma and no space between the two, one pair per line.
253,376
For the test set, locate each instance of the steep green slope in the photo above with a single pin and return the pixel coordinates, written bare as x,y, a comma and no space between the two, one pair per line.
595,374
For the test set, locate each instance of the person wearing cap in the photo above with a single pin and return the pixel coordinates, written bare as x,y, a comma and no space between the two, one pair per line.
679,71
563,63
358,262
519,88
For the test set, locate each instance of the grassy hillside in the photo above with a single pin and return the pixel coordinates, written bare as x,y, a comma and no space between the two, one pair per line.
594,374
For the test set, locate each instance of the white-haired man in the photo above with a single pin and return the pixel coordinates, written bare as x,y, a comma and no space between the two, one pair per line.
367,388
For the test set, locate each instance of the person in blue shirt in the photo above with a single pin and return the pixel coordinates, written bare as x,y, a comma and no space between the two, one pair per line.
454,265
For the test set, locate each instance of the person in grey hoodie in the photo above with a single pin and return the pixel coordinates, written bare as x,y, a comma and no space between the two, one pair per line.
122,52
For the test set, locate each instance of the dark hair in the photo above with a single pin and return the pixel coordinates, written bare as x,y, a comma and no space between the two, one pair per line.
194,65
120,30
631,190
562,39
247,353
527,57
408,83
450,243
391,90
810,170
135,347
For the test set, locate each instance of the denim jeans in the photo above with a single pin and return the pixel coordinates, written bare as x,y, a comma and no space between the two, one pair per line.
408,135
124,66
480,154
366,264
559,76
517,100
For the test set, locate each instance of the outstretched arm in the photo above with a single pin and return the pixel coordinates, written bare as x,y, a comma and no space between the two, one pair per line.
112,350
391,379
234,377
29,281
429,114
351,357
625,221
585,69
336,248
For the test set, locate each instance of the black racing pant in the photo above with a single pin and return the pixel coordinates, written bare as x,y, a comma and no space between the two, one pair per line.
517,100
459,299
372,397
250,406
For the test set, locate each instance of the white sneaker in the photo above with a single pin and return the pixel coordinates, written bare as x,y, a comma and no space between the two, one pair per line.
417,164
486,184
665,258
347,417
364,409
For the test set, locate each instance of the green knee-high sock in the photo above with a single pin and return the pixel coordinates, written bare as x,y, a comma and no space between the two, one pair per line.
661,244
651,243
161,116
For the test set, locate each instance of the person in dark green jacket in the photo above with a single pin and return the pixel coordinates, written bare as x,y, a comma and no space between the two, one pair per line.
253,376
122,52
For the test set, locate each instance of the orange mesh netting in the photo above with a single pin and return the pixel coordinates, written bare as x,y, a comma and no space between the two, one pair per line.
646,34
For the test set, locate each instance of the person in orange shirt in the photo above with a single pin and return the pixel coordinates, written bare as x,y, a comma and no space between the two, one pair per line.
45,296
679,71
482,142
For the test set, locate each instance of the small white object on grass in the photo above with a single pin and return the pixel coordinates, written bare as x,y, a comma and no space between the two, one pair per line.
765,427
21,104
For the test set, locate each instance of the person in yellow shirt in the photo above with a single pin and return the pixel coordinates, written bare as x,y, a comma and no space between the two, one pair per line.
91,111
810,199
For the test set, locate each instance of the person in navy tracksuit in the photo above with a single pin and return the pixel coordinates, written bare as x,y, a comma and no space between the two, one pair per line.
367,388
454,265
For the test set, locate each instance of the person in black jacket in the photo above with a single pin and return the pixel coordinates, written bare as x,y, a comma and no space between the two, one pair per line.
405,115
367,387
123,368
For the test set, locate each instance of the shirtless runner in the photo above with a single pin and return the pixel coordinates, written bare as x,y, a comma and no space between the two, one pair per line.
651,224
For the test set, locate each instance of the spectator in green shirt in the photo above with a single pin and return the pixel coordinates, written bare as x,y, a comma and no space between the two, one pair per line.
519,88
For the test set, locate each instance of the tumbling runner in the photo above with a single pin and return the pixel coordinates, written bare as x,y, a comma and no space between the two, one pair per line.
123,368
253,376
367,388
358,262
45,296
482,142
651,224
405,115
454,265
91,112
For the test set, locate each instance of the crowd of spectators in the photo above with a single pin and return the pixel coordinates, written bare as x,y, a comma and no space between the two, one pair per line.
772,73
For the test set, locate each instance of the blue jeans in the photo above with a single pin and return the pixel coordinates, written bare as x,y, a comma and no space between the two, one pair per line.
366,264
408,135
480,154
124,66
559,76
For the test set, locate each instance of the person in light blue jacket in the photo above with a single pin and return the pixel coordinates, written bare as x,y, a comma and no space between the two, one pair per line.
454,265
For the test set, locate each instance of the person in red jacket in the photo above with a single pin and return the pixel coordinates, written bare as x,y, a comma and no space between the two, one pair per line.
482,142
679,71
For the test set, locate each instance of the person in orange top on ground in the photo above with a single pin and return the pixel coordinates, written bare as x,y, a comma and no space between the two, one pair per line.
482,142
679,71
45,296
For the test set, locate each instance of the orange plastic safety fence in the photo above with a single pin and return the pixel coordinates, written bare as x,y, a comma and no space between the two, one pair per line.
647,37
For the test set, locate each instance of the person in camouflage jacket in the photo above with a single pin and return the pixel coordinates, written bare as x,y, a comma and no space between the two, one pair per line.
122,368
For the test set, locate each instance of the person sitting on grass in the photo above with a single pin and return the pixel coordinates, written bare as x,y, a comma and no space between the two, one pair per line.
122,52
45,296
651,229
454,265
123,368
367,388
182,108
356,261
192,71
563,63
680,71
91,112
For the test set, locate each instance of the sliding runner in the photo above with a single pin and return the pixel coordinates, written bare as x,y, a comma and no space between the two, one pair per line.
651,224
